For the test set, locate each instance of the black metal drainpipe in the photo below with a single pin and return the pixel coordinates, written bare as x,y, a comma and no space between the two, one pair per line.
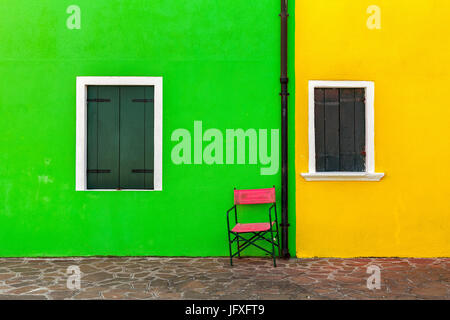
284,132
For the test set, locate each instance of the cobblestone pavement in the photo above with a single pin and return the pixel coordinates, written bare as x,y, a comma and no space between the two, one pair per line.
213,278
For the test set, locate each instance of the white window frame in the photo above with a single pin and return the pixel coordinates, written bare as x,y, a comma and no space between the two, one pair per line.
369,174
81,126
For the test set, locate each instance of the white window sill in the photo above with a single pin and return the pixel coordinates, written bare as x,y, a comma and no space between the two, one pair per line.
343,176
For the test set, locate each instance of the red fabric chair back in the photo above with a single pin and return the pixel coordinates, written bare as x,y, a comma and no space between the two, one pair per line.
254,196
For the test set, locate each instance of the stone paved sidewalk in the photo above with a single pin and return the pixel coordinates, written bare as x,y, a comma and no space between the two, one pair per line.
213,278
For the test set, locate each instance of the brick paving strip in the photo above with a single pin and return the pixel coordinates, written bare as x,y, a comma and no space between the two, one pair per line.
213,278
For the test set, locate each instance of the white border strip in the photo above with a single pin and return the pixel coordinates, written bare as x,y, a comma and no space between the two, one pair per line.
370,174
342,176
81,125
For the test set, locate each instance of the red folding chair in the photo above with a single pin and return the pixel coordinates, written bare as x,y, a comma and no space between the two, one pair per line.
257,231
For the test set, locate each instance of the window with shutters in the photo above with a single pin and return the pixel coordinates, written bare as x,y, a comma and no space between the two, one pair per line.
341,131
119,133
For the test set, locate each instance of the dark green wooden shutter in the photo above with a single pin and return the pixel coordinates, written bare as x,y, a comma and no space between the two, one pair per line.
339,129
347,130
319,116
103,137
331,129
136,137
149,137
120,137
360,130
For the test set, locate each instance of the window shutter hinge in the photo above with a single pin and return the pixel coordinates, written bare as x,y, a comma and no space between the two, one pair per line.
99,100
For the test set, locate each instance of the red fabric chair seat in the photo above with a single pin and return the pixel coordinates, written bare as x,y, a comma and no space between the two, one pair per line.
252,227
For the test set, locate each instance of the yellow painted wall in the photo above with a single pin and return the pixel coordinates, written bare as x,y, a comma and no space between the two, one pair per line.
408,212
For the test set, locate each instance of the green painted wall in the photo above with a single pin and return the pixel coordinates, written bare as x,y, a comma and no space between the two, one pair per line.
220,63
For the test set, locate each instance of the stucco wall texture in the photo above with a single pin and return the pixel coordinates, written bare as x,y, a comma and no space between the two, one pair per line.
408,58
220,64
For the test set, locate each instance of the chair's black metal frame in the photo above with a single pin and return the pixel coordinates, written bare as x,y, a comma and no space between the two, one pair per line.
255,236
